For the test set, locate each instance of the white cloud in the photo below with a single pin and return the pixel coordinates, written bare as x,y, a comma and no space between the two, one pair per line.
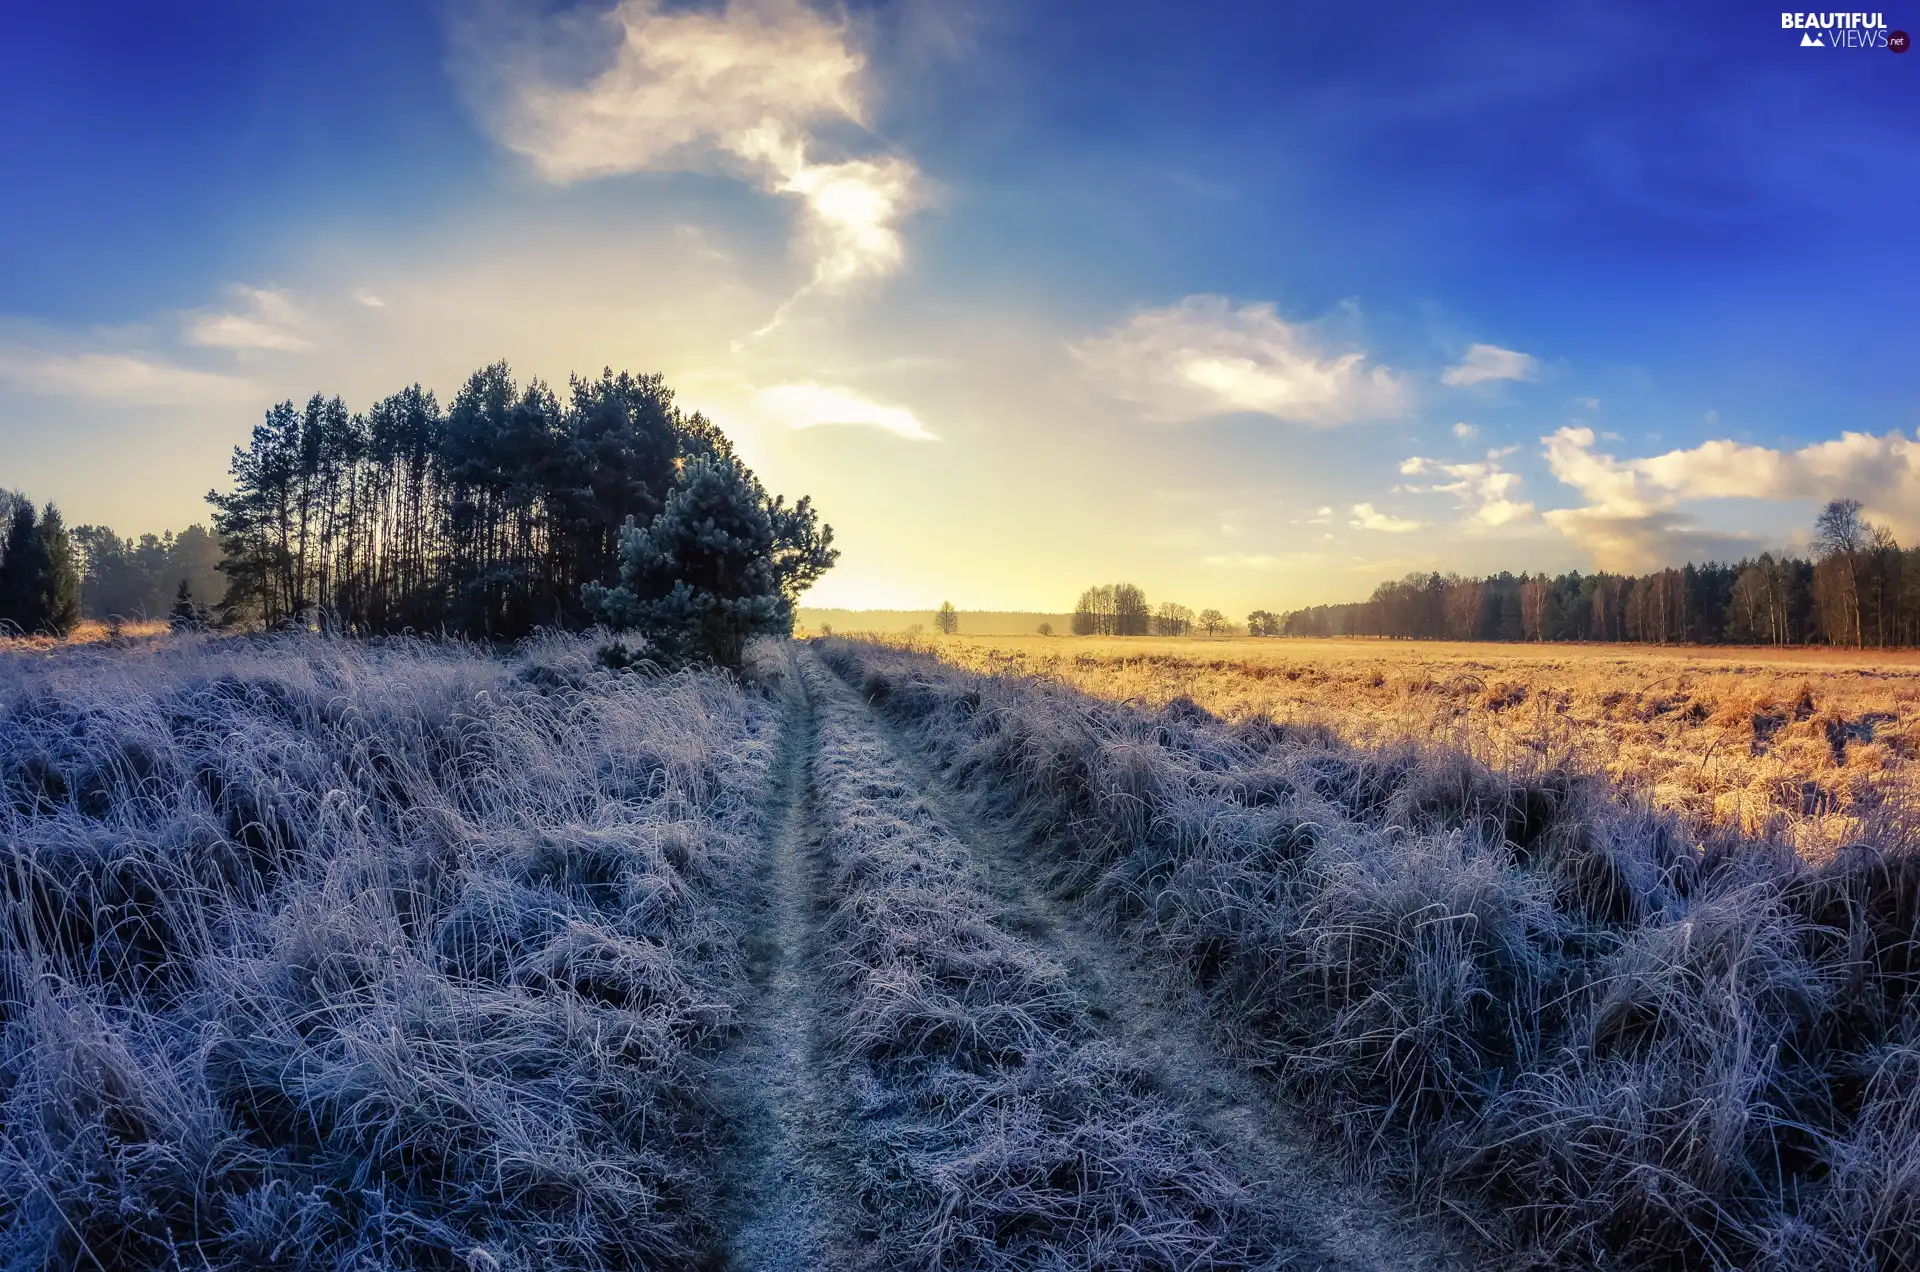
368,299
1632,518
1203,358
263,318
814,405
117,377
1465,432
1485,363
1264,560
1367,517
1483,488
745,87
1632,510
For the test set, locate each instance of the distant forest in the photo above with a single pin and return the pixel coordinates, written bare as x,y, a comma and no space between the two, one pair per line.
895,622
1861,588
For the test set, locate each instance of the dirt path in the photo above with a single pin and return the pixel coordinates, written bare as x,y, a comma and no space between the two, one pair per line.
789,1209
1341,1225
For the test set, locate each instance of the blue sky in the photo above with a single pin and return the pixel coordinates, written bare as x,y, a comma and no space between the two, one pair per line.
1253,304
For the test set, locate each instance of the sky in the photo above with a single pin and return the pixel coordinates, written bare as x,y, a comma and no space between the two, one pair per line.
1252,305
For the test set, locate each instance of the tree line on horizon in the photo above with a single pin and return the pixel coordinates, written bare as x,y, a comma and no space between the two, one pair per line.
1860,588
1121,609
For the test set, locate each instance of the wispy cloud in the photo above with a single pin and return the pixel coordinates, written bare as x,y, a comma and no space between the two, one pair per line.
117,377
1486,363
1367,517
1203,357
1465,432
260,318
1265,560
814,406
745,88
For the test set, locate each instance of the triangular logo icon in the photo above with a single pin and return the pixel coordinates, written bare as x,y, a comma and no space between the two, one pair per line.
1812,41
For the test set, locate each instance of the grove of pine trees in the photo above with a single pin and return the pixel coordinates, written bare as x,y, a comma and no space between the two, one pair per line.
512,509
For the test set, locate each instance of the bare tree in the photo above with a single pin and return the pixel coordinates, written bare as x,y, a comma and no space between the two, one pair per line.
1093,612
947,620
1211,621
1841,533
1172,619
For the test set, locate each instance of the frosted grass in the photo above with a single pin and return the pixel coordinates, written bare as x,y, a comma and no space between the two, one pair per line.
1002,1130
322,955
1517,992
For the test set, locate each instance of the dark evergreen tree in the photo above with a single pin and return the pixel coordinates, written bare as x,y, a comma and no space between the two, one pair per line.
39,574
703,578
184,615
60,582
20,569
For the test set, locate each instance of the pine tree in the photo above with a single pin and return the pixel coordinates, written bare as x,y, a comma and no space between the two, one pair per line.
702,578
59,591
185,615
39,577
19,570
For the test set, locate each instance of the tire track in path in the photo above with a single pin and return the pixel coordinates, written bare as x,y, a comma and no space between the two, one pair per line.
788,1170
1343,1225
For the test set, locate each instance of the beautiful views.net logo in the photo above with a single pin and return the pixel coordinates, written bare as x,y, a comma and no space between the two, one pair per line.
1844,31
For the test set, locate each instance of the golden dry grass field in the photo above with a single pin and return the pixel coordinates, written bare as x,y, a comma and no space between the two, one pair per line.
90,632
1812,744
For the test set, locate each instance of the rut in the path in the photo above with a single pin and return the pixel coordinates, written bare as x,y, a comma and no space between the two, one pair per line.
788,1173
1342,1225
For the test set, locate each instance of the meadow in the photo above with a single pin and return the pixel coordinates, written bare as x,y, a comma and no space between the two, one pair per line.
318,955
324,954
1816,746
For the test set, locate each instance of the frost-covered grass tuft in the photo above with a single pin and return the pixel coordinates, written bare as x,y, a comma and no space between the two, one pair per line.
1000,1130
1637,1049
321,955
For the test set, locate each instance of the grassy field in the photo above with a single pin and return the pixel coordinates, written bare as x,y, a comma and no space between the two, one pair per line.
368,956
1816,745
1513,993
